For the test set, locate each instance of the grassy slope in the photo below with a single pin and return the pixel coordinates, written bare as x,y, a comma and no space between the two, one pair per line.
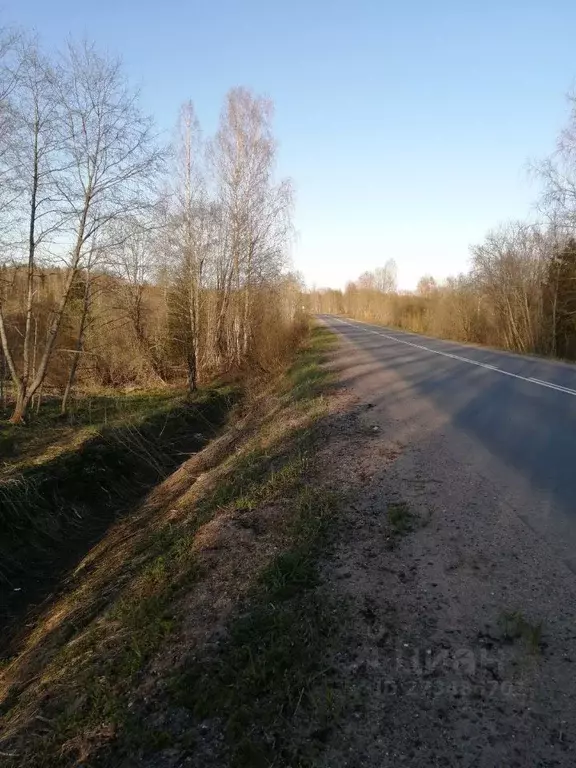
80,689
69,479
48,433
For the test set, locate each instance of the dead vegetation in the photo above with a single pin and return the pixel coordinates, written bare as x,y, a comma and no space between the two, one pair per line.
194,625
125,262
57,500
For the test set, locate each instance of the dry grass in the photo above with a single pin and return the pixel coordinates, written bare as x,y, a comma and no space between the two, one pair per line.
57,507
48,434
233,526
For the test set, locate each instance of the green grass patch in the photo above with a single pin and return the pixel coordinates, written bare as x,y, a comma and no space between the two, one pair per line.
103,661
261,473
400,518
308,377
514,626
267,674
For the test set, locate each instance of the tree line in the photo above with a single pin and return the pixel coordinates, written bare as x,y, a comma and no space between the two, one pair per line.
126,260
520,290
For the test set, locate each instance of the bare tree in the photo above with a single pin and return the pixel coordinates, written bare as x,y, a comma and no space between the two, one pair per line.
131,256
509,269
35,158
382,279
557,173
190,234
426,285
85,303
107,155
255,213
386,277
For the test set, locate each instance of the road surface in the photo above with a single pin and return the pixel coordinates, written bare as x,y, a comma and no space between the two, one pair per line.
510,418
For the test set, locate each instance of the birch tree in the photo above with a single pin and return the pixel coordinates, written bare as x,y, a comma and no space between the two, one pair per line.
255,213
189,236
33,160
106,158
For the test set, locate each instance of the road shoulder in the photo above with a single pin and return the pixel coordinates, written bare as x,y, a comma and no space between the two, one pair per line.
460,647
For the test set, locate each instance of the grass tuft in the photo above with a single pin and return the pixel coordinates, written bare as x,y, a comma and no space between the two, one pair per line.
400,518
514,626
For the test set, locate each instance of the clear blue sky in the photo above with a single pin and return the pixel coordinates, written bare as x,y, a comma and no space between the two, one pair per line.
406,126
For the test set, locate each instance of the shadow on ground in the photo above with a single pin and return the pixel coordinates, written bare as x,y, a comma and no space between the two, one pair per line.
54,513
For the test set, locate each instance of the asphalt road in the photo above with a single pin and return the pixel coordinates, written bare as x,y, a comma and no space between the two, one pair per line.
509,417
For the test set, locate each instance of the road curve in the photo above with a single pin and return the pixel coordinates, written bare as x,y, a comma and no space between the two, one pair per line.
509,417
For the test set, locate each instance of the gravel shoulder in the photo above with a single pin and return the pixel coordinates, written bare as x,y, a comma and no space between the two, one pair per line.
460,648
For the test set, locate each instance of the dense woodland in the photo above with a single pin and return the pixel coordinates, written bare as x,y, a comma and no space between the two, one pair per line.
520,290
126,260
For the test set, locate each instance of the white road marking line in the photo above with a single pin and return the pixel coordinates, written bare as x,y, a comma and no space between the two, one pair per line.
552,386
530,379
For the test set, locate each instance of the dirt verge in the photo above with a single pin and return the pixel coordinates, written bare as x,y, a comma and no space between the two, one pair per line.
460,648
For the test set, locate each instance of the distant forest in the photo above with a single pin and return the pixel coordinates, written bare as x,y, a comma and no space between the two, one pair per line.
520,291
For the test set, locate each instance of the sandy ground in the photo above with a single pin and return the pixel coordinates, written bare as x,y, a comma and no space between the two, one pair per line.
461,649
